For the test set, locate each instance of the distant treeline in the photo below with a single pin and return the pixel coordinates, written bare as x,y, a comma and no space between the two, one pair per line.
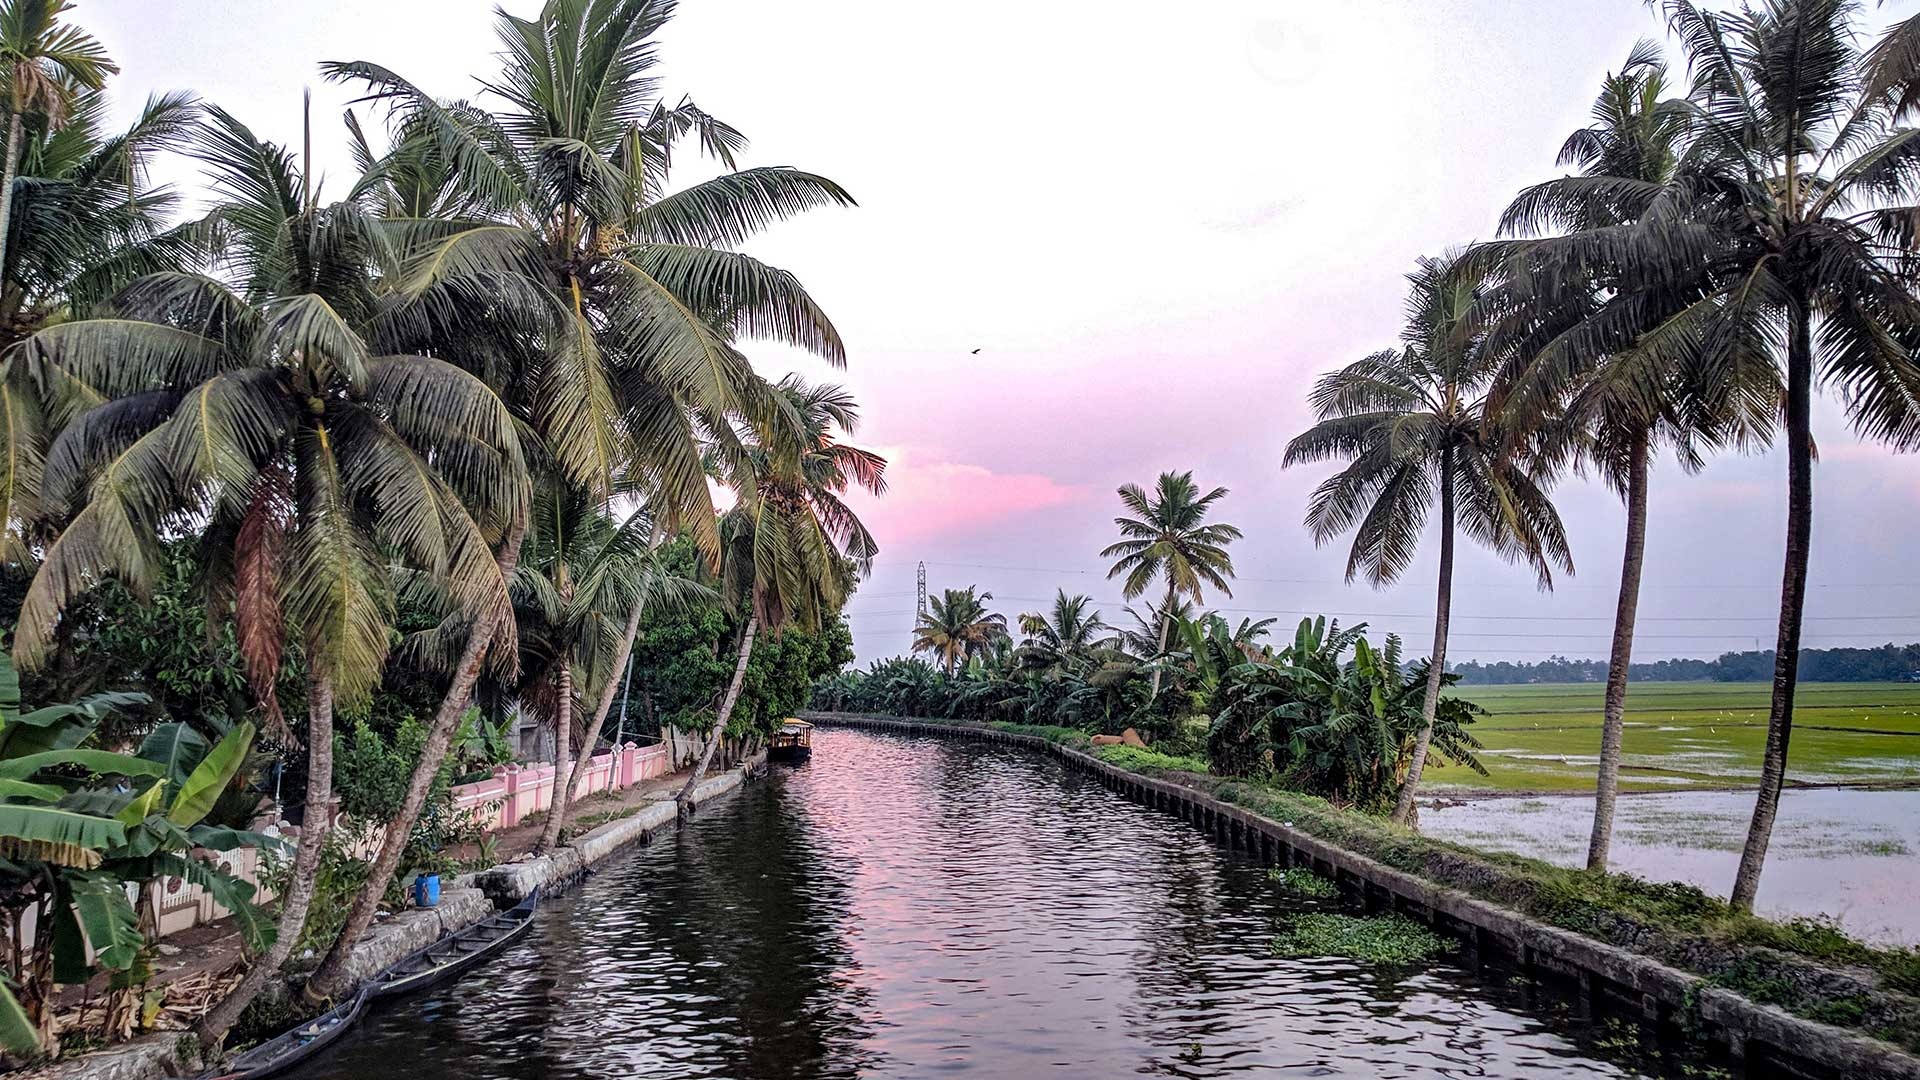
1882,663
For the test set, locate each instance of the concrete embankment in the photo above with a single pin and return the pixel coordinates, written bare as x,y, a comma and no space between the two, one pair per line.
1768,1041
467,900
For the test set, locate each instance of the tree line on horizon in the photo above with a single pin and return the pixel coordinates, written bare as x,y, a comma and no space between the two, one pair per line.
1882,663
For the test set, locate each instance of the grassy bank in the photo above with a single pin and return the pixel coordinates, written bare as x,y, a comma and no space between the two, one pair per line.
1806,966
1546,736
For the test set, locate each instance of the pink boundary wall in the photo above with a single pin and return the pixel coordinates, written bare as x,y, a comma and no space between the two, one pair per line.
519,790
500,803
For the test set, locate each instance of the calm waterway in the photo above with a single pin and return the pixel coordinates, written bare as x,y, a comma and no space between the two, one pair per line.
915,907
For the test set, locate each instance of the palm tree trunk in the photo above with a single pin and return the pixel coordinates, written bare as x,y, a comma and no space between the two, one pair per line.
592,739
562,768
315,820
1607,787
1793,597
1437,666
1166,626
330,978
8,171
726,711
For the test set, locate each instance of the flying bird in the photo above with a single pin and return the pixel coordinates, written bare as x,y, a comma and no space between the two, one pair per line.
976,352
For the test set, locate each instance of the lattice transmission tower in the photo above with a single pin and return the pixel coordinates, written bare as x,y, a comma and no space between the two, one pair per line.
921,605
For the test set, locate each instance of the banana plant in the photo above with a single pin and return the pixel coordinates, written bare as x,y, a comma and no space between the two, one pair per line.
83,829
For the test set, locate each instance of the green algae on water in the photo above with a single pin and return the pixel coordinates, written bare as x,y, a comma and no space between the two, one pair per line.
1378,939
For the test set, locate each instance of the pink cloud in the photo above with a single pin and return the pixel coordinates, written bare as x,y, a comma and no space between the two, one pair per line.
933,497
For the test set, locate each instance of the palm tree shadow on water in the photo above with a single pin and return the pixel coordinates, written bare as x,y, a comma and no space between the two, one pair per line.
718,952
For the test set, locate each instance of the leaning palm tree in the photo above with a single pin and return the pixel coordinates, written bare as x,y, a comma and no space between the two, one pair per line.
1621,406
1783,244
1071,630
44,65
252,406
574,641
792,548
957,627
1168,536
1415,424
608,579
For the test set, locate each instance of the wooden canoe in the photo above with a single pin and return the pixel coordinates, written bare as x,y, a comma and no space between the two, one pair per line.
283,1052
452,955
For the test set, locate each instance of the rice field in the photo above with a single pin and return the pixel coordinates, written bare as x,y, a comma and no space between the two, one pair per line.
1680,736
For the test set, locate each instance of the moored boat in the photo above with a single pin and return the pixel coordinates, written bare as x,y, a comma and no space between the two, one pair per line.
452,955
793,742
283,1052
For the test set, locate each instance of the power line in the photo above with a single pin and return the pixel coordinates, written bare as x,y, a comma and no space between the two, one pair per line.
1768,620
1463,585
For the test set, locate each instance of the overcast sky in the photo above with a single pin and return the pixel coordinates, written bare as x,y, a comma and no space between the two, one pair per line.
1157,224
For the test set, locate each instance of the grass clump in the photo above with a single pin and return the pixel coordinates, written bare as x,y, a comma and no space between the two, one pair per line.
1300,881
1134,759
1065,736
1382,939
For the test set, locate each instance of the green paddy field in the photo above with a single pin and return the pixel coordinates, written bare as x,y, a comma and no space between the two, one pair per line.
1679,736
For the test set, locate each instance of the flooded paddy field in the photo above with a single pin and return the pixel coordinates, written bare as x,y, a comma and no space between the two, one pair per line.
1689,736
1848,853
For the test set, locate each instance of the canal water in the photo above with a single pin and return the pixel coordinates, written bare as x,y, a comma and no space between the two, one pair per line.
914,907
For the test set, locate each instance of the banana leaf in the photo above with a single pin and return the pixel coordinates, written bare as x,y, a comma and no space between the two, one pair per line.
151,835
177,746
58,836
147,802
97,906
17,1035
211,777
21,789
9,690
217,838
91,707
18,740
104,762
230,892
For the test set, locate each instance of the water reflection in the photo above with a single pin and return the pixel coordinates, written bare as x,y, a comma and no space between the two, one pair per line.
910,908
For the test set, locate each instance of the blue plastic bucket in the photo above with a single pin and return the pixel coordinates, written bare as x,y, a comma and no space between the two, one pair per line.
426,890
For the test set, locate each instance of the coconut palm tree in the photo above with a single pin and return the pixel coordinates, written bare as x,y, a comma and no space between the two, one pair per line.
546,254
86,221
258,409
1417,424
1782,246
1070,630
608,579
792,548
607,307
44,64
1622,406
1168,536
957,626
86,217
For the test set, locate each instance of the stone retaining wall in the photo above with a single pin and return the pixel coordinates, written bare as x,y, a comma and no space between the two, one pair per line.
467,900
1770,1041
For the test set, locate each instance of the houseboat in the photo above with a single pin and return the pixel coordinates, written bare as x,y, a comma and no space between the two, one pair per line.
793,742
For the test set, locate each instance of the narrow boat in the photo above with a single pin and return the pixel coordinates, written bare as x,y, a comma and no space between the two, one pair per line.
793,742
452,955
283,1052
